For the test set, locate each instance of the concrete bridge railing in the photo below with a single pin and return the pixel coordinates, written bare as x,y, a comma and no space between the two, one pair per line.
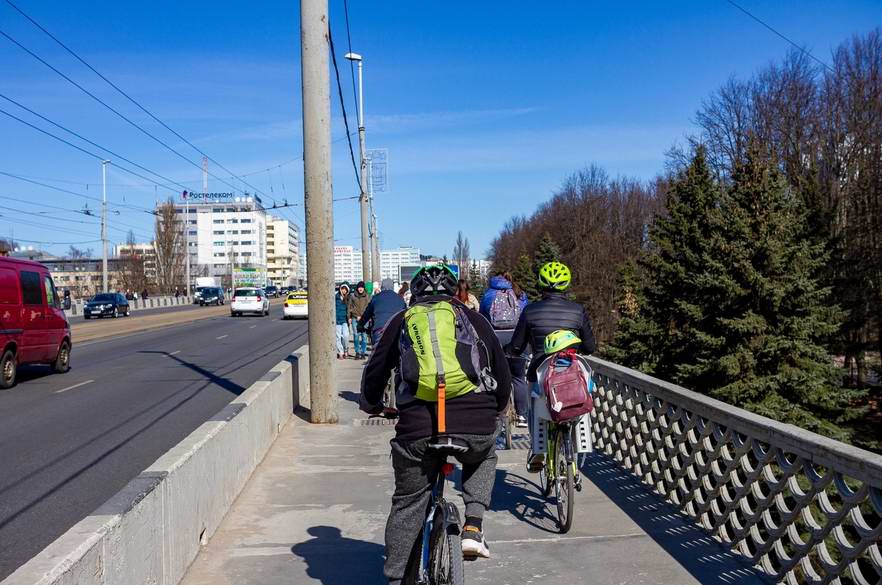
803,508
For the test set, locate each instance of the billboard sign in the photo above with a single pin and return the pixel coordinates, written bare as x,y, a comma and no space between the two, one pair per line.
249,277
201,197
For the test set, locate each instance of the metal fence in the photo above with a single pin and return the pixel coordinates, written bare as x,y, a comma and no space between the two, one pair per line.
803,508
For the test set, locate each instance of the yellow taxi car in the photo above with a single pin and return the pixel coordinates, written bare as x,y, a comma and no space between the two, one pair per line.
296,305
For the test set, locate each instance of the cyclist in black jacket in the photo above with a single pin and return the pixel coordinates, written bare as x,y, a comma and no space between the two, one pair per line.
551,313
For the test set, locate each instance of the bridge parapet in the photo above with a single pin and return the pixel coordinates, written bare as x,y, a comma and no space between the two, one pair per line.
802,507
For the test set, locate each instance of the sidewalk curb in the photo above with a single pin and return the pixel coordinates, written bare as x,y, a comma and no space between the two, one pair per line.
152,529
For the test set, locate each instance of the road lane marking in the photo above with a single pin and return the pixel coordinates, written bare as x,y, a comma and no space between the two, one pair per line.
174,353
74,386
222,336
253,326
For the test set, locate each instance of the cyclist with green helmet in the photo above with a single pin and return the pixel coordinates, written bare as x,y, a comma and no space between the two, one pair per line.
438,343
554,311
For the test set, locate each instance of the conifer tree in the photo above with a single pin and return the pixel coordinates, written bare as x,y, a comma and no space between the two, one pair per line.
525,277
546,251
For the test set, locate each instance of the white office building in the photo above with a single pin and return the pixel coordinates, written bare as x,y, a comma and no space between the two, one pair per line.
347,264
224,233
391,261
283,251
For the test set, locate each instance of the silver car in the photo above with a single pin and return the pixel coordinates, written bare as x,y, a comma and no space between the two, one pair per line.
249,300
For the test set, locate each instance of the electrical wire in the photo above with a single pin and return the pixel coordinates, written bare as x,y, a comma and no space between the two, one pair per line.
112,109
69,192
343,108
780,35
351,64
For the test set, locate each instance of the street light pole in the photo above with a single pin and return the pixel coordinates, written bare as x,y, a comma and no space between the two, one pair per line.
104,225
363,201
319,207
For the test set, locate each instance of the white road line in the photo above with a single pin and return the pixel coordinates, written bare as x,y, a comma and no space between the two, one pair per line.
253,326
174,353
222,336
74,386
566,538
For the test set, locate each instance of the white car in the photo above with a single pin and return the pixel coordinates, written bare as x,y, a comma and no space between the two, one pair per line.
249,300
296,305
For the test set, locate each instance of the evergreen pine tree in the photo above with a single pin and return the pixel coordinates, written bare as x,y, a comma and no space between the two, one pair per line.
525,277
476,283
547,251
661,335
771,312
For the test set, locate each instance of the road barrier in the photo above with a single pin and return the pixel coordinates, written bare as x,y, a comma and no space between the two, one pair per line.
153,528
76,307
802,507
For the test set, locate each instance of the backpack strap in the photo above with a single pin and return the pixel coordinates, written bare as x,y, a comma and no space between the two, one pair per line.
439,365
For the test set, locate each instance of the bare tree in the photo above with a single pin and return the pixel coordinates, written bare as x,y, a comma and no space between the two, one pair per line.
75,253
169,243
130,264
461,254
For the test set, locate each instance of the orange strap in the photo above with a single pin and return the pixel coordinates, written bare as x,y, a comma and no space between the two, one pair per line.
442,410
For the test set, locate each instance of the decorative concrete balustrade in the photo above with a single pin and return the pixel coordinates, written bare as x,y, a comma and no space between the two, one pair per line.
802,507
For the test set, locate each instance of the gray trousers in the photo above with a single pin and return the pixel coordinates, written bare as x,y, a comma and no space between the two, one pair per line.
416,470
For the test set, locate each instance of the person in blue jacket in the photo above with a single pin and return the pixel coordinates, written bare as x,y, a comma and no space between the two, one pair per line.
342,329
517,364
382,307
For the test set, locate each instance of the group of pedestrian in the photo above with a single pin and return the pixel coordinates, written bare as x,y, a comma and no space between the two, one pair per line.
359,314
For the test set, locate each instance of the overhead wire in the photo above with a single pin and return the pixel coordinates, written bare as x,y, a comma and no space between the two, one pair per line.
780,35
351,63
126,95
112,109
343,108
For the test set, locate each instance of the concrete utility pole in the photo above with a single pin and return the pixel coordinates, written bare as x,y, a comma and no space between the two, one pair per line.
363,201
104,225
375,251
318,200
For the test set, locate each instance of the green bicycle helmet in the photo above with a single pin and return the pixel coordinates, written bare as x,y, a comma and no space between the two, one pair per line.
560,340
438,279
555,276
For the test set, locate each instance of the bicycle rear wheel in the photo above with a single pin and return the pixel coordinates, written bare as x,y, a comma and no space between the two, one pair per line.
445,556
564,483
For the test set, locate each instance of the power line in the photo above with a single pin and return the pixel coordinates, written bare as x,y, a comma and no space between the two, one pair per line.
111,108
55,243
69,192
351,63
124,94
95,144
343,107
781,35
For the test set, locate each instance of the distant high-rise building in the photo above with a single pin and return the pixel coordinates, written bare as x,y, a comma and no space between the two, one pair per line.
391,261
282,251
347,264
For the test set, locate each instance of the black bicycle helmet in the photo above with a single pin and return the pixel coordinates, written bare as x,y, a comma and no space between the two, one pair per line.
437,279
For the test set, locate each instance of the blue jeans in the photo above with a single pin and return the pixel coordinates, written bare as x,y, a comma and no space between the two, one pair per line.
342,338
359,340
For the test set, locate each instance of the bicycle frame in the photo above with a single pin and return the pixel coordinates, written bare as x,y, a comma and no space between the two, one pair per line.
449,516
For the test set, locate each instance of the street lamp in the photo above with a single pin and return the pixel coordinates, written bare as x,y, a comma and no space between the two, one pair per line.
363,197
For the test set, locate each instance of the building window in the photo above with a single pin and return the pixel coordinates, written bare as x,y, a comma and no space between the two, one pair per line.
246,221
219,243
231,209
218,221
217,209
246,242
193,232
219,254
179,210
245,254
218,232
234,232
234,221
243,232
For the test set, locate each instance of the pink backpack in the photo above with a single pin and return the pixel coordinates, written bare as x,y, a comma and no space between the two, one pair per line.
566,390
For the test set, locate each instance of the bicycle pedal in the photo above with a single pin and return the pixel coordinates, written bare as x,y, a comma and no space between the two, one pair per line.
579,487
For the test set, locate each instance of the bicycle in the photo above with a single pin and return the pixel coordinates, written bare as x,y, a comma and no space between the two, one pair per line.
508,423
560,471
441,558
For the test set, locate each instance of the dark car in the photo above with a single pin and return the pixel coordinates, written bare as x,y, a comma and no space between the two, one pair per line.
211,295
272,291
106,305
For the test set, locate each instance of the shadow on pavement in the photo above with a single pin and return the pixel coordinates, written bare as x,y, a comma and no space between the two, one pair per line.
523,499
209,376
333,559
350,396
687,543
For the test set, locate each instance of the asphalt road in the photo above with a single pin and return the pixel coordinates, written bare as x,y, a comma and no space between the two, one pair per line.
69,442
135,313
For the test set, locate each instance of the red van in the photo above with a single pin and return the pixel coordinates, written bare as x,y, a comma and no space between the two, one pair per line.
33,326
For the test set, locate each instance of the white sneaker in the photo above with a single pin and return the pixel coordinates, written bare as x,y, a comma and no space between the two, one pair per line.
473,544
522,422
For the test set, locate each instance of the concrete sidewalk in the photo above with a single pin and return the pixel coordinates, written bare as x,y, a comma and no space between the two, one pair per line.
314,512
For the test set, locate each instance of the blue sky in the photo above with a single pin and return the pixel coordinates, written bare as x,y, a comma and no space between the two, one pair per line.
484,107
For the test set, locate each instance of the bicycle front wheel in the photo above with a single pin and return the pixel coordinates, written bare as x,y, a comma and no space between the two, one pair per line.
564,484
445,556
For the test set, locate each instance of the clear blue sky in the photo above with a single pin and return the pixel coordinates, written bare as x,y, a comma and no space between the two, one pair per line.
485,107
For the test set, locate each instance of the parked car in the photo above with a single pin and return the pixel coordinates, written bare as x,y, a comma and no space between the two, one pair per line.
106,305
296,305
211,295
33,326
272,291
197,294
249,300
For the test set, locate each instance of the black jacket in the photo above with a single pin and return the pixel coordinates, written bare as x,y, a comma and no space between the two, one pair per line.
472,414
381,309
545,316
